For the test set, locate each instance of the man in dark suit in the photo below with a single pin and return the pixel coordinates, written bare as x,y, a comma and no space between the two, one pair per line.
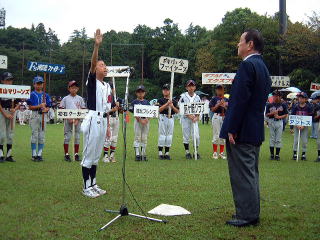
243,128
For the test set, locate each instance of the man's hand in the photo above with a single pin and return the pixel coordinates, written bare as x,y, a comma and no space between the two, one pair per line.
42,105
195,119
232,138
97,37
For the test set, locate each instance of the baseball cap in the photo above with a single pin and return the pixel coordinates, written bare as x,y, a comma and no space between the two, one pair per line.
302,94
7,75
72,83
166,86
276,93
190,82
140,87
37,79
219,86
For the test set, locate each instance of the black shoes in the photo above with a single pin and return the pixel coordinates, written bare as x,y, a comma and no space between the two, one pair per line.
10,159
77,157
272,157
303,158
198,156
318,159
277,158
144,158
167,157
1,159
188,156
294,157
37,158
242,223
67,158
138,158
161,157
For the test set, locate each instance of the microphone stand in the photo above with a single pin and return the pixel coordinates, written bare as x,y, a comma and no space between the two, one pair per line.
123,208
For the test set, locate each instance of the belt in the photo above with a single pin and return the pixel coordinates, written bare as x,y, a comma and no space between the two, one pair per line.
7,109
274,119
166,115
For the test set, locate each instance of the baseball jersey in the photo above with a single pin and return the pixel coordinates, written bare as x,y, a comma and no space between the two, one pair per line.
302,111
99,94
163,101
280,107
72,102
215,100
186,98
316,111
36,99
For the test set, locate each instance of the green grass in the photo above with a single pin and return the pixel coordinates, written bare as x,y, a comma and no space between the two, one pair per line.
44,201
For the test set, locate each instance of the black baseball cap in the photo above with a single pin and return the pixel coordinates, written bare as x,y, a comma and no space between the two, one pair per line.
190,82
166,86
7,75
141,88
219,86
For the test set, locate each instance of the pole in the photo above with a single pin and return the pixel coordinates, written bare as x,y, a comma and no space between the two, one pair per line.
82,83
43,98
73,139
22,66
195,142
142,59
298,145
114,92
13,119
171,92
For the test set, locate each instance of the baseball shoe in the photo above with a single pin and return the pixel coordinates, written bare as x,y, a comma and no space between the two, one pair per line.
89,192
161,157
77,157
144,158
1,159
294,157
188,156
198,156
272,157
215,155
98,190
10,159
40,159
222,156
113,159
318,159
303,158
167,157
277,158
106,159
138,158
34,158
67,158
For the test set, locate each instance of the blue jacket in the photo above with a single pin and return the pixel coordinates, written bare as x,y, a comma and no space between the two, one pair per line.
248,97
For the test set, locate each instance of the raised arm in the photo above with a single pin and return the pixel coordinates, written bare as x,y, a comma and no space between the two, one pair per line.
94,58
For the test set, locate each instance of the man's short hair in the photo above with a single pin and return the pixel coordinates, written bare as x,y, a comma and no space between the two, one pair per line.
255,36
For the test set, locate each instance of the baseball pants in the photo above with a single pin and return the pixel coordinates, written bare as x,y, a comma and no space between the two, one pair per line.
6,132
140,134
38,134
303,137
165,129
68,132
114,131
216,128
188,129
276,130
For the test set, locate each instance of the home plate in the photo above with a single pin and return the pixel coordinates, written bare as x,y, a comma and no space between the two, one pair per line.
169,210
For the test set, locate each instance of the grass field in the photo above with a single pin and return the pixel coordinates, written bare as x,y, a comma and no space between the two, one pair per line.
44,201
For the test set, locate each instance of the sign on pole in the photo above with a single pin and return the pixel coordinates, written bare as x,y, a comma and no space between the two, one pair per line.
315,87
15,91
3,62
147,111
298,120
280,81
176,65
71,113
194,108
218,78
46,67
118,71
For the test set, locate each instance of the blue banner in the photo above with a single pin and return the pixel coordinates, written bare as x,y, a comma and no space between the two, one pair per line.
46,67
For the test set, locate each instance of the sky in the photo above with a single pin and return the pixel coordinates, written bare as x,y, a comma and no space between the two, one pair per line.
64,16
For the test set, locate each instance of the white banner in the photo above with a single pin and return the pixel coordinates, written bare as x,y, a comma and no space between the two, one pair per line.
315,87
194,108
280,81
3,62
147,111
71,113
297,120
118,71
176,65
218,78
15,91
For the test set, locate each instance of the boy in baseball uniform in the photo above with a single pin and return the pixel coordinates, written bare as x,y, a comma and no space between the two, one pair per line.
141,126
276,112
166,122
72,101
110,142
39,104
189,123
8,108
218,106
302,108
95,124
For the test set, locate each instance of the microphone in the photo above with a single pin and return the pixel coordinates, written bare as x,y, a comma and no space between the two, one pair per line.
127,69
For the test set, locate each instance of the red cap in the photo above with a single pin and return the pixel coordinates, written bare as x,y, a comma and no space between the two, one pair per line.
71,83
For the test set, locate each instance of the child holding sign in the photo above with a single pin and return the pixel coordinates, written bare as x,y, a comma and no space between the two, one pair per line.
39,104
72,101
303,108
8,107
141,126
189,123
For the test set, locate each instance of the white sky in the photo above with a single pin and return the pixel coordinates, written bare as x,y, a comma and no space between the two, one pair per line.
63,16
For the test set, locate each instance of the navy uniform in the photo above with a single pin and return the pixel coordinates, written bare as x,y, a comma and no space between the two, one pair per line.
276,112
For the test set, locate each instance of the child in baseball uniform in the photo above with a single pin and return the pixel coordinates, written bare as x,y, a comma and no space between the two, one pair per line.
8,108
276,112
110,142
95,124
189,123
141,126
72,101
166,122
39,104
218,106
302,108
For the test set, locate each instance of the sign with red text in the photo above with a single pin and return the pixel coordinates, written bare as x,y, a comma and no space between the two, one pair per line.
175,65
15,91
315,87
72,113
218,78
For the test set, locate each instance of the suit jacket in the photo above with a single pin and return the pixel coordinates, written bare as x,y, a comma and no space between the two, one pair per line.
249,93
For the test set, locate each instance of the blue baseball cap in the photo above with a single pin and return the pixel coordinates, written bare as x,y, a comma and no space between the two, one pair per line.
190,82
302,94
37,79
